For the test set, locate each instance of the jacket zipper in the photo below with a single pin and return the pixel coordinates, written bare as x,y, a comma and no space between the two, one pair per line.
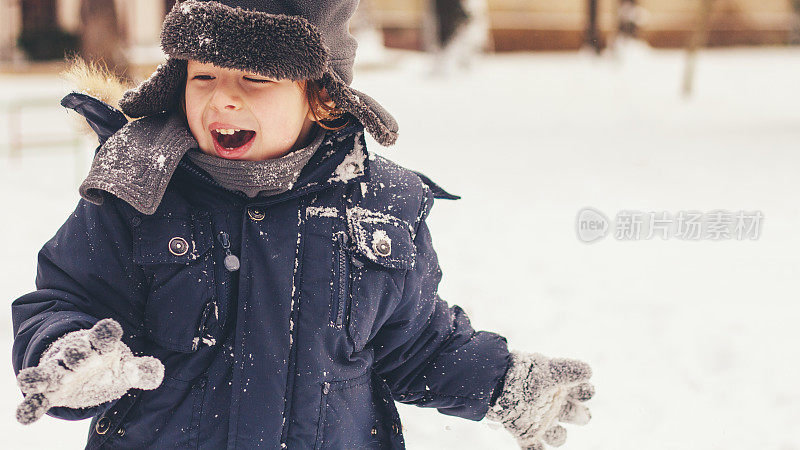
341,279
231,261
231,265
228,284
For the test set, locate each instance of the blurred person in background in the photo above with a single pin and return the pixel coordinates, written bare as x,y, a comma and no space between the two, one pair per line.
795,38
455,32
100,37
628,18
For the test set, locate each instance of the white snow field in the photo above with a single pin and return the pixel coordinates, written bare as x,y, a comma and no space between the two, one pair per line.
693,343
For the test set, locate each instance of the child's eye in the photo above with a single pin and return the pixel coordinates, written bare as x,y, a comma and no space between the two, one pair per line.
257,80
202,77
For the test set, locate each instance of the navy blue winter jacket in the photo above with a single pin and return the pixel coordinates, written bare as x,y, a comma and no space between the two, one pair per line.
332,316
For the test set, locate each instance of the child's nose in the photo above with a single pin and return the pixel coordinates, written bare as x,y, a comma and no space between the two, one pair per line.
224,100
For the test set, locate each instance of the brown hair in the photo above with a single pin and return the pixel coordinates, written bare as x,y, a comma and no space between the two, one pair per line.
327,114
330,113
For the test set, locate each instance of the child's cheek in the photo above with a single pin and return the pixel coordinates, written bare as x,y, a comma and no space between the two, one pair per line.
194,117
198,138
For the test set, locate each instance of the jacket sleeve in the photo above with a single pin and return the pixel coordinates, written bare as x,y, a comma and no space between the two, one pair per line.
428,352
85,273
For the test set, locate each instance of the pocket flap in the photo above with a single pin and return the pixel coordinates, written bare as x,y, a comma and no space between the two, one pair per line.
382,238
170,240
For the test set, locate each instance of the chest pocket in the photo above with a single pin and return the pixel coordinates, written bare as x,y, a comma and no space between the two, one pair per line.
381,252
174,252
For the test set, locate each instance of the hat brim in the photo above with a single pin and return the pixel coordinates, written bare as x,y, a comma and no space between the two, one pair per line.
273,45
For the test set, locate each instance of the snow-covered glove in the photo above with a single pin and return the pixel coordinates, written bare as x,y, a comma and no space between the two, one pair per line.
85,368
537,393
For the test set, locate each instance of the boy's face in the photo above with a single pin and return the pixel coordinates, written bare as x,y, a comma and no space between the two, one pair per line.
241,115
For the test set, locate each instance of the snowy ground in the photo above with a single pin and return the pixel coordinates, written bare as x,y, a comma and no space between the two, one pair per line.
693,344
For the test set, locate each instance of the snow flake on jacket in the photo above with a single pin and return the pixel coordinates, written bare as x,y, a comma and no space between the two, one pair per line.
332,315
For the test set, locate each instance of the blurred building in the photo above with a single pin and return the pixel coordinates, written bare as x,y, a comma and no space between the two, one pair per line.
514,24
560,24
140,22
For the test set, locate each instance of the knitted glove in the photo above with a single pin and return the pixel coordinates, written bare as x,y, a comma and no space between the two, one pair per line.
85,368
537,393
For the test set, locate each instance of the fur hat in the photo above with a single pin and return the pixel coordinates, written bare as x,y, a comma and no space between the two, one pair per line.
294,39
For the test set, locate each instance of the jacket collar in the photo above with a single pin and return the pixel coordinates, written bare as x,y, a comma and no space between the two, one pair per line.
137,163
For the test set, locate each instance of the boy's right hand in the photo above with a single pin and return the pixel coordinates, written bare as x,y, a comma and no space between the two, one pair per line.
85,368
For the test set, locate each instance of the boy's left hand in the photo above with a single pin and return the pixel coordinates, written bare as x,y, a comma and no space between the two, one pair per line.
538,392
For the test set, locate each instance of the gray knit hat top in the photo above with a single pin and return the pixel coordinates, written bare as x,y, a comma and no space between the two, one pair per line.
292,39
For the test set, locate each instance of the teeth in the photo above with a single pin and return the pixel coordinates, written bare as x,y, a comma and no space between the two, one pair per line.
227,130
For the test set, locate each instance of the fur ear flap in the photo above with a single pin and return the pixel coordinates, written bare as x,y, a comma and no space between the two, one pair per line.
159,93
378,122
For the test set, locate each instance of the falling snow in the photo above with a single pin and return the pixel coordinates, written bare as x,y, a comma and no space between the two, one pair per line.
545,135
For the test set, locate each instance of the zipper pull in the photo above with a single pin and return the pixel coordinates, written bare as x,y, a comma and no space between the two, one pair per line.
231,261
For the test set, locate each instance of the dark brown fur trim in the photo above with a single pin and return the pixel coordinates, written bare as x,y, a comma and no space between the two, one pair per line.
158,93
273,45
380,124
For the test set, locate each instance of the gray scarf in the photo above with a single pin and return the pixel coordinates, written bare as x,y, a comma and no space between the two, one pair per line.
267,177
137,162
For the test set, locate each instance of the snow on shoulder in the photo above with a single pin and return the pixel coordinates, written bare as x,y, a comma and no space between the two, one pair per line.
353,164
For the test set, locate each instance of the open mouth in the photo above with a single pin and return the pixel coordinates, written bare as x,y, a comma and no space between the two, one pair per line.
231,138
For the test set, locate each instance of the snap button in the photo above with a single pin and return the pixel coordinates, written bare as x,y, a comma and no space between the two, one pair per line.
102,425
395,428
256,214
178,246
374,430
120,431
381,244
